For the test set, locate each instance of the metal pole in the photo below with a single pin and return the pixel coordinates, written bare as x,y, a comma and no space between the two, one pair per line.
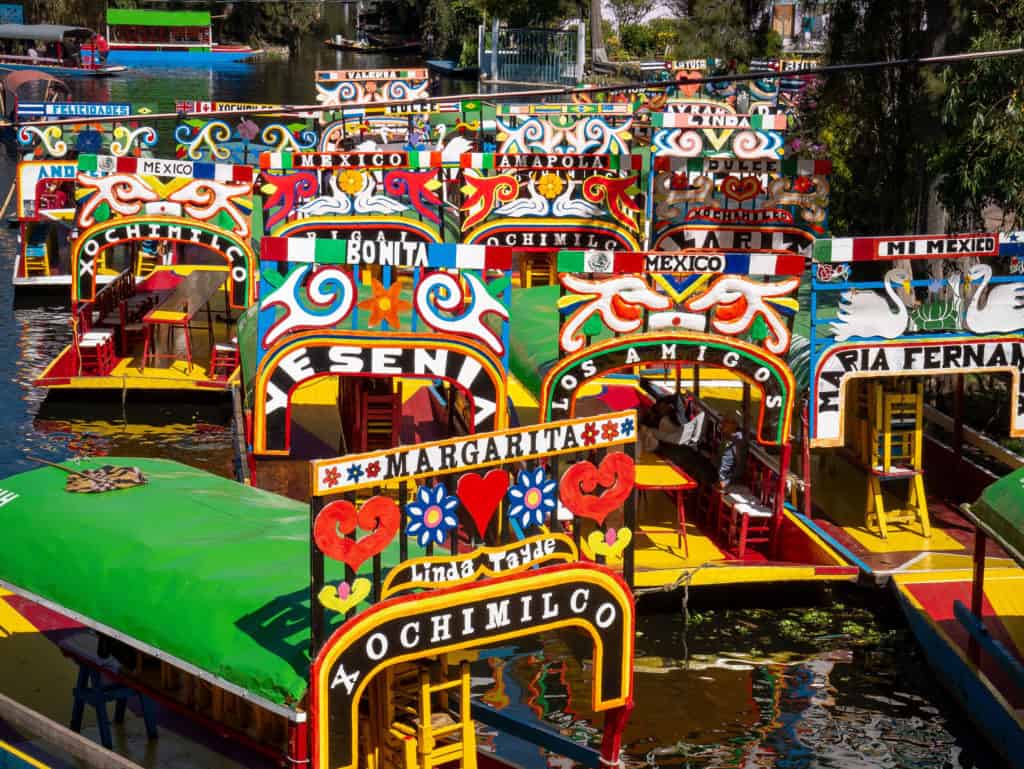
978,592
495,24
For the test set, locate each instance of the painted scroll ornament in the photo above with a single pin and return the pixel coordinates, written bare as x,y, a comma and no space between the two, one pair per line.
441,293
338,519
616,474
481,495
325,302
618,301
738,302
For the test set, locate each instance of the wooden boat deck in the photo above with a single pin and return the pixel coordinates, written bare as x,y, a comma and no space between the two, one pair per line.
840,497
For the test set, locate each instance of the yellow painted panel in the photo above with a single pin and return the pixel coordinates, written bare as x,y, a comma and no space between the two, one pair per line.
658,547
902,540
1006,594
955,561
317,392
12,623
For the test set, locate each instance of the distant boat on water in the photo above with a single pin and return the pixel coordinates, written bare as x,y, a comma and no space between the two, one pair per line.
61,53
450,68
146,37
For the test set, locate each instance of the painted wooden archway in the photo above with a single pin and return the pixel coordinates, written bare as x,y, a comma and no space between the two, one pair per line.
763,370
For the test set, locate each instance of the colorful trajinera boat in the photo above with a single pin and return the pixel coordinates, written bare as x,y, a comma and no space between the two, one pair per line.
333,639
61,56
167,38
45,183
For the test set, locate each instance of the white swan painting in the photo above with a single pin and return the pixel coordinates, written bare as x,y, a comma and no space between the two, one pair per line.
869,313
997,311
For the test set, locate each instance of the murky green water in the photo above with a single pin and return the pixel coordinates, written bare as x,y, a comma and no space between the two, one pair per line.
840,686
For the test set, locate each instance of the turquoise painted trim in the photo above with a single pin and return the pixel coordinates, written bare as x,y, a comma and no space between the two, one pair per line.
976,628
830,540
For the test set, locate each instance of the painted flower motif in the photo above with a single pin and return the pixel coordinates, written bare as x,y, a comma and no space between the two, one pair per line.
431,515
355,472
350,182
531,498
589,434
373,469
627,426
550,186
385,304
332,477
609,431
803,184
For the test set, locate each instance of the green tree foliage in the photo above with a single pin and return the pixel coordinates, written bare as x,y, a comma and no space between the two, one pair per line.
628,12
878,125
981,162
451,27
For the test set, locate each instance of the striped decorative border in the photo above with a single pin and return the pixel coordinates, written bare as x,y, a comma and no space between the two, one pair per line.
890,247
774,122
157,167
343,75
440,256
286,161
30,109
783,166
690,260
611,108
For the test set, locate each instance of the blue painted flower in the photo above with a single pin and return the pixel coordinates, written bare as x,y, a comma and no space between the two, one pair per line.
431,515
532,498
627,427
355,472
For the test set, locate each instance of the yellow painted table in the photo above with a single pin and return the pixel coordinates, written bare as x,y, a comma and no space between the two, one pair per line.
656,473
176,311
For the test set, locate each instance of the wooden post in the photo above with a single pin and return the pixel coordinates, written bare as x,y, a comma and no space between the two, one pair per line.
629,518
316,581
958,423
614,725
805,451
978,592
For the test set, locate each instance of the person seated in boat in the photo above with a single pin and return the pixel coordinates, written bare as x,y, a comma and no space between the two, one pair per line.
672,427
732,454
32,52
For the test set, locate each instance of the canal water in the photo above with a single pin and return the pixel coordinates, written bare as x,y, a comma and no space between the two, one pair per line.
829,679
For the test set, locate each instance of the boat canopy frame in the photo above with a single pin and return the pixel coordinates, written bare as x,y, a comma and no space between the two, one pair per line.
45,33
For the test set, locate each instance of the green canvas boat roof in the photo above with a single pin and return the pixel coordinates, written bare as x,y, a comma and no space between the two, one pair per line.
1000,510
206,571
144,17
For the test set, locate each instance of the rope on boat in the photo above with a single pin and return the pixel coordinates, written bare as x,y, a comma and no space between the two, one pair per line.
542,92
10,194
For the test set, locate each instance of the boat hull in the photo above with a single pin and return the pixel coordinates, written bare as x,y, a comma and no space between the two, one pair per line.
108,71
987,709
180,57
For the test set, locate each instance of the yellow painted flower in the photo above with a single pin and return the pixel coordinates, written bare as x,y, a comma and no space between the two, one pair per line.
550,186
350,182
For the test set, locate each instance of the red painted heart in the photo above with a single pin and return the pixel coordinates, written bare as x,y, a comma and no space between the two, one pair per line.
616,474
378,514
741,189
481,496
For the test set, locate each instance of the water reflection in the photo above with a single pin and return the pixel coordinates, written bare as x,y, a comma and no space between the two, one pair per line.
820,700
